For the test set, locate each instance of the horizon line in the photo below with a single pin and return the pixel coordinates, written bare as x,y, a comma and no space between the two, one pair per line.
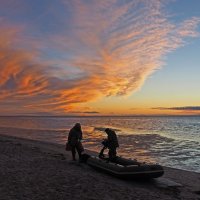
162,115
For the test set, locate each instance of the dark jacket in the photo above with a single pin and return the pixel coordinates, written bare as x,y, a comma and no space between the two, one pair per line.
112,140
75,135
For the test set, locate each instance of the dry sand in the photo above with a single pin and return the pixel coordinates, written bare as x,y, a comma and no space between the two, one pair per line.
31,170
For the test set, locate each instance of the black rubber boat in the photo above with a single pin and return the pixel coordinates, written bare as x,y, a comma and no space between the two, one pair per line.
124,168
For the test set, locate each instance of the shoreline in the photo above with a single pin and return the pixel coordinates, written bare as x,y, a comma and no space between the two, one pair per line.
60,148
40,170
59,137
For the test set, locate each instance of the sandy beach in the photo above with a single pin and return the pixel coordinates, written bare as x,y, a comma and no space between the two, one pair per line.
31,170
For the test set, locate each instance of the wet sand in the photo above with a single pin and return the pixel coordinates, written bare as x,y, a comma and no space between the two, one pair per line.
31,170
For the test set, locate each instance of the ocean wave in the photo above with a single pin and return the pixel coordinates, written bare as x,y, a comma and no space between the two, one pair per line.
173,142
103,129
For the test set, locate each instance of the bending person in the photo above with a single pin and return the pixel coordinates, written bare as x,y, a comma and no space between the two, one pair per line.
111,143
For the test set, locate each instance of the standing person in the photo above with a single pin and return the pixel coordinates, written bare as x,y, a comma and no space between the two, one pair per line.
74,140
111,143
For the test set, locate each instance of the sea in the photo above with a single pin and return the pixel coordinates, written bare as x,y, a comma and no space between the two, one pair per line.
172,141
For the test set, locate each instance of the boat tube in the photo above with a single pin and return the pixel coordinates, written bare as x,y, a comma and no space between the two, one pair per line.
124,168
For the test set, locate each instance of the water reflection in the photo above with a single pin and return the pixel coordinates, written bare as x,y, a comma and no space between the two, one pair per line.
170,141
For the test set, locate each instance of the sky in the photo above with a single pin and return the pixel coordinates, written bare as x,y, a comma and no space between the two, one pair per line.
90,57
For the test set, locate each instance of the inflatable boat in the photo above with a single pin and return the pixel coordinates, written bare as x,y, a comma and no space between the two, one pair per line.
124,168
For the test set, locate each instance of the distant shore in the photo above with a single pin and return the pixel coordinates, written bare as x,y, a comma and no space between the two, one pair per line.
38,170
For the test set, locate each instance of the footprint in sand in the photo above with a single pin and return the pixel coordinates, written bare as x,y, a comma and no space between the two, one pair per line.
59,156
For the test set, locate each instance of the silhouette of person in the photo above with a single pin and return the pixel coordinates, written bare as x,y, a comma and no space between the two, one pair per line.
74,139
111,143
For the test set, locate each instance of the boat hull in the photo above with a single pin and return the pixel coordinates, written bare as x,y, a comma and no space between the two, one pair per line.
131,170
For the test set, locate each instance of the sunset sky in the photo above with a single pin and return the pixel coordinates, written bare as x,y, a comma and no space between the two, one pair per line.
92,57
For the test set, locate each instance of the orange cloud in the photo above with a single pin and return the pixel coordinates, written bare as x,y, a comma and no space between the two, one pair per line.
110,49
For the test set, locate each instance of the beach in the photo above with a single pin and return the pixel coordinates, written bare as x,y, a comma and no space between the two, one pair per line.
40,170
171,141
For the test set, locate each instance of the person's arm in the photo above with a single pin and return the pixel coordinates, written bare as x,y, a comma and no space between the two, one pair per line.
109,139
69,135
81,135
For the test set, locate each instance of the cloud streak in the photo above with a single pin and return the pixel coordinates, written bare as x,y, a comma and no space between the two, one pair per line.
185,108
104,48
